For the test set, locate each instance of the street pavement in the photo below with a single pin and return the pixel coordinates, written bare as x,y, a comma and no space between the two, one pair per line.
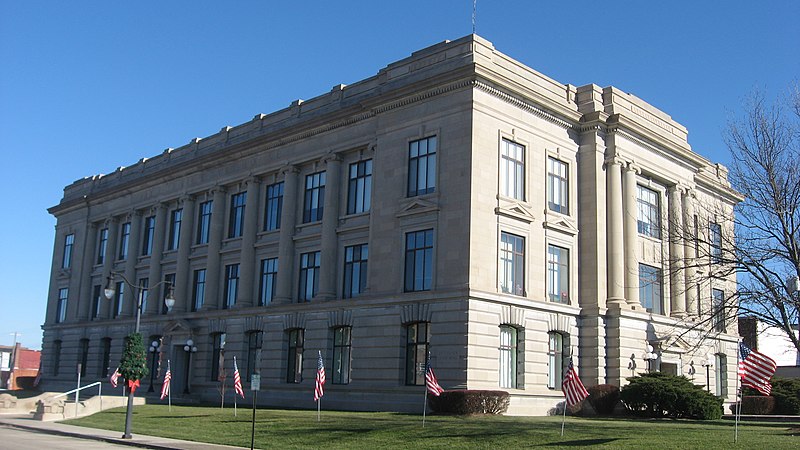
22,432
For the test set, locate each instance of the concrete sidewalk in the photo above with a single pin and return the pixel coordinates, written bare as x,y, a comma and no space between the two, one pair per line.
139,440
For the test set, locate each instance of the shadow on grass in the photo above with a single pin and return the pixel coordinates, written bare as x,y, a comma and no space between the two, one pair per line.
579,443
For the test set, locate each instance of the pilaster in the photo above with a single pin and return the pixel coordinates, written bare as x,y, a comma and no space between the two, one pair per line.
329,244
631,236
212,298
247,255
182,290
676,254
283,289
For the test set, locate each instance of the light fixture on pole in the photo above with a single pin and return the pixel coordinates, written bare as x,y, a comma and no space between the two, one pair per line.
169,301
692,370
189,348
649,356
708,363
154,349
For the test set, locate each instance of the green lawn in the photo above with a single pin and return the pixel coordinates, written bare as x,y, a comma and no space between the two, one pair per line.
299,429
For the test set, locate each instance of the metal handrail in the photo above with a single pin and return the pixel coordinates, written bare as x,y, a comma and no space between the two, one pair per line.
77,394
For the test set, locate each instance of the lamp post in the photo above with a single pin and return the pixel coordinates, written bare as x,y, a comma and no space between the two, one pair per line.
708,363
154,348
649,356
189,348
139,290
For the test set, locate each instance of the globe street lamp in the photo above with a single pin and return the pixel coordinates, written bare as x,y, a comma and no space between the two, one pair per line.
154,349
169,301
189,348
708,363
649,356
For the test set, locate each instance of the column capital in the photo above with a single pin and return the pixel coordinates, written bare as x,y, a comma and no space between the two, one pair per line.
332,157
252,180
183,199
289,169
613,160
218,188
631,166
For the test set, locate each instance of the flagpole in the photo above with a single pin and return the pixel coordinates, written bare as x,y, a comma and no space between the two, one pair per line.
564,418
739,397
169,392
318,409
235,369
425,406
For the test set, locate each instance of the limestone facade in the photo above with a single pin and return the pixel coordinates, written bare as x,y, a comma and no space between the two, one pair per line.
457,202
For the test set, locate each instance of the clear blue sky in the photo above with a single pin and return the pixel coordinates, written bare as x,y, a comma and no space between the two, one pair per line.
87,86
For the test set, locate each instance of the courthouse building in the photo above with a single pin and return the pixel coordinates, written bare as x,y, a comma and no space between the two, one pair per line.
458,203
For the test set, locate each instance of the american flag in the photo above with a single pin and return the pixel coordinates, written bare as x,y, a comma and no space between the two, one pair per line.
572,387
167,379
114,377
237,380
756,369
431,384
320,380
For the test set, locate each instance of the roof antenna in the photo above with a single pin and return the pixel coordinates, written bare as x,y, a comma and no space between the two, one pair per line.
474,14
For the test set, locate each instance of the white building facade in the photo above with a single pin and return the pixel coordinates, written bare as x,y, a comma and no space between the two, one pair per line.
457,203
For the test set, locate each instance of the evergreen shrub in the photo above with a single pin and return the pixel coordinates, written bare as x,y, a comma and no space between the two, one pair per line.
661,395
603,398
465,402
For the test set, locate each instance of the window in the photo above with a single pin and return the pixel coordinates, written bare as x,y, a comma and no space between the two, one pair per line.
314,197
56,357
309,276
272,211
125,237
69,242
512,170
149,230
715,240
419,260
359,192
144,289
508,357
231,285
557,186
254,342
718,309
217,355
61,305
118,298
721,374
83,356
558,274
648,216
355,270
236,221
269,276
417,339
97,297
650,288
105,358
294,361
341,355
175,229
101,246
512,264
557,361
204,222
169,284
199,291
422,166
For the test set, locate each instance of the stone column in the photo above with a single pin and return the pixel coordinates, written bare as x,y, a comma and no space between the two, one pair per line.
676,273
248,251
154,297
614,234
183,290
86,301
283,290
330,219
689,251
212,297
631,236
131,296
112,224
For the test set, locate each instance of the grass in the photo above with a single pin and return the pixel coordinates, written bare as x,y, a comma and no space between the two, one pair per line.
349,430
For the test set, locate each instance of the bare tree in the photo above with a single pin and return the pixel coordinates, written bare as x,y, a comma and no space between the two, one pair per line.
765,147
